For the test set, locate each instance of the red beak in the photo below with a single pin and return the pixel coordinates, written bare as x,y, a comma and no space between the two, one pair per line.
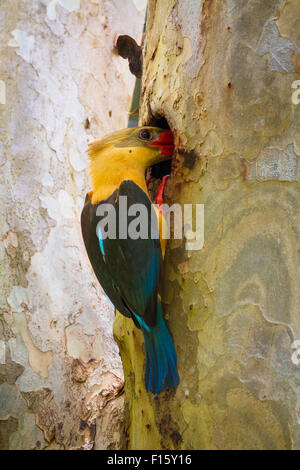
165,142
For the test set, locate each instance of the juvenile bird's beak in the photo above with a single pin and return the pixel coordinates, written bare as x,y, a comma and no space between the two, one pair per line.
165,142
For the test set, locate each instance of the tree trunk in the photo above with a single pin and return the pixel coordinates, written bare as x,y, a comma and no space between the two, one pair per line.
222,74
61,86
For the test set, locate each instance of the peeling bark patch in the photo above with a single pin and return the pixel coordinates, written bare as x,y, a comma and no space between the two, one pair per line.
275,164
10,370
79,371
7,427
254,88
140,4
111,419
88,430
288,22
69,5
187,14
24,42
28,436
47,180
18,298
212,145
79,345
11,242
39,402
109,427
280,49
38,360
11,402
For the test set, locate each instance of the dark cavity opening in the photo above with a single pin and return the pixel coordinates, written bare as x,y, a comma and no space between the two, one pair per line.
155,173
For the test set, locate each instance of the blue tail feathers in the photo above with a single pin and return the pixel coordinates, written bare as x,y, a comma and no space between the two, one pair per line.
161,360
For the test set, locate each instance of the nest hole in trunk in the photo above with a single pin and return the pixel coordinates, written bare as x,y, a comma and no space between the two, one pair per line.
155,173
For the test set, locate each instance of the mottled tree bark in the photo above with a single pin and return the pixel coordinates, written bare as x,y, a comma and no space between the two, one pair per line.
61,86
221,73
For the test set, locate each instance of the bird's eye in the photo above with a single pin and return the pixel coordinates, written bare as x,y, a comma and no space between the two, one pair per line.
145,134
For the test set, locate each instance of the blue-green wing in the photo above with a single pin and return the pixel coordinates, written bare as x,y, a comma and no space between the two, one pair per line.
135,264
89,222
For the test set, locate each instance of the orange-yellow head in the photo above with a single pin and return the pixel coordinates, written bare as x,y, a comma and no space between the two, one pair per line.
125,155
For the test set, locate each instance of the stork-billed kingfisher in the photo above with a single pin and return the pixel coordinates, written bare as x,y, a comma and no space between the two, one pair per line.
130,269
